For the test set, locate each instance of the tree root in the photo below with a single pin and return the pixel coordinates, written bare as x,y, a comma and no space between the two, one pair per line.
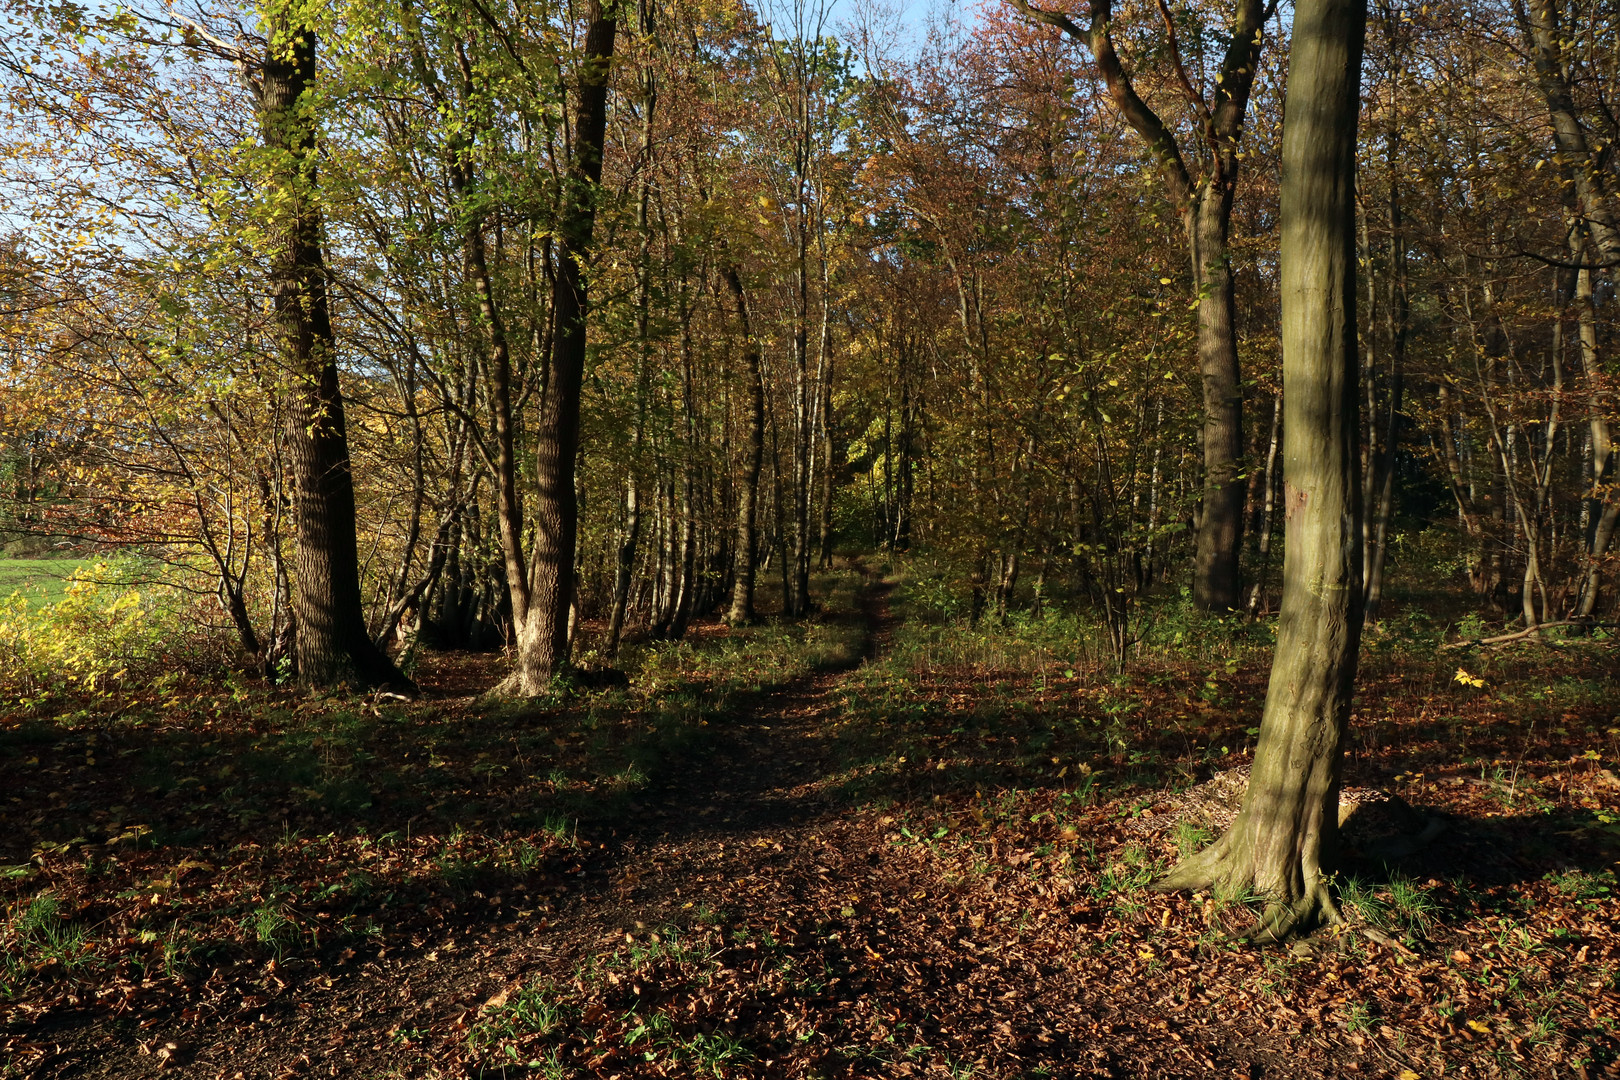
515,688
1198,872
1283,920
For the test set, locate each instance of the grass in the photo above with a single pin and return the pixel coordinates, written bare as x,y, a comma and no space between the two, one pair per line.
42,581
36,938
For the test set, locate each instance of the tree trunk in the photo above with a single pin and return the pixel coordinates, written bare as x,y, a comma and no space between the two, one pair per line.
824,425
1217,585
630,535
1284,839
747,544
1380,502
542,635
333,645
1604,502
1580,156
906,485
1268,507
1205,202
685,597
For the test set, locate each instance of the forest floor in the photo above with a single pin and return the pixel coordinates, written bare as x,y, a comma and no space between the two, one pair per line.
857,845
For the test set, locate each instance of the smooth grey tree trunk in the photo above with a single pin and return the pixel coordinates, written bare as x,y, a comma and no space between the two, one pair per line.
1605,504
1283,843
1269,507
746,547
630,534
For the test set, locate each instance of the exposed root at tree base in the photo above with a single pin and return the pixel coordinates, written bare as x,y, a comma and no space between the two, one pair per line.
1282,919
515,687
1285,919
1228,868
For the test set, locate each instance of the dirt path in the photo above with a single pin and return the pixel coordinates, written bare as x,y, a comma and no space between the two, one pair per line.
755,803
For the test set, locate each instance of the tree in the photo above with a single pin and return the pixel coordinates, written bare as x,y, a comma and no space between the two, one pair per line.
1283,841
753,453
542,621
333,644
1202,193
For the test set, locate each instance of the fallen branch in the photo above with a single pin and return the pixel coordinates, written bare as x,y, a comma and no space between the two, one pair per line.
1527,632
1336,921
1372,933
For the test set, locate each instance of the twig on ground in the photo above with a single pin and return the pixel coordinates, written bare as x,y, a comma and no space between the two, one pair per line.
1527,632
1372,933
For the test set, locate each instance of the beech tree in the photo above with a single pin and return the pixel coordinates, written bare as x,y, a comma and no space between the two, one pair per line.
1282,844
543,592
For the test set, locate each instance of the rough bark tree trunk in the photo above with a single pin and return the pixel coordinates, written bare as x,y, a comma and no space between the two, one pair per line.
542,636
1283,842
332,643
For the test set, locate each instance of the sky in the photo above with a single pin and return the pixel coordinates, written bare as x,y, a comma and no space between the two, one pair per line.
906,20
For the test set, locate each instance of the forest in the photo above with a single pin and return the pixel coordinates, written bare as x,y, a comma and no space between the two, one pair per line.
809,538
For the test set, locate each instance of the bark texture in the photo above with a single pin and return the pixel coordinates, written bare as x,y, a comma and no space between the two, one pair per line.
1284,839
333,646
542,636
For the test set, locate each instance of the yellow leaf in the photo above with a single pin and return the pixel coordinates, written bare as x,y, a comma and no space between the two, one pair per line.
1480,1026
1408,1074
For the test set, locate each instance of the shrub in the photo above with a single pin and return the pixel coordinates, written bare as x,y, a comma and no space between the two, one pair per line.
99,637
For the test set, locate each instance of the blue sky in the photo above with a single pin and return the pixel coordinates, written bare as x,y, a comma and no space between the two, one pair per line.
909,19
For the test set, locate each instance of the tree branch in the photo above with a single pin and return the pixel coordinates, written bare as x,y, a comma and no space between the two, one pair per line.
1527,632
1143,119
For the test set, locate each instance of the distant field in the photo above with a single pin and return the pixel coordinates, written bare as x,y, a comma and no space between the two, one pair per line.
41,580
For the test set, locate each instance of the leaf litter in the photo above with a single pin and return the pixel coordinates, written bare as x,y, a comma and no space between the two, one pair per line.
787,875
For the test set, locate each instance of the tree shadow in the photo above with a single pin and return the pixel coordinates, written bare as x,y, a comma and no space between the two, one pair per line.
1482,861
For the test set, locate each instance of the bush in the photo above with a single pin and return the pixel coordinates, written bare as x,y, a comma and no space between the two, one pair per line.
98,638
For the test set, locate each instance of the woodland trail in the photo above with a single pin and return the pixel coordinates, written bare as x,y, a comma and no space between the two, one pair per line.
748,807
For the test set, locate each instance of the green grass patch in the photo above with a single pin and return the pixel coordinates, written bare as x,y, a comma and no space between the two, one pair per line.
40,581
